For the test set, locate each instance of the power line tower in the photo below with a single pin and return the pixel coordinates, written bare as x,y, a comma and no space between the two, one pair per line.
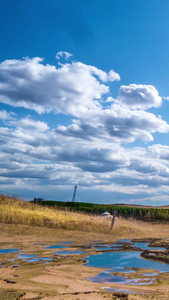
74,194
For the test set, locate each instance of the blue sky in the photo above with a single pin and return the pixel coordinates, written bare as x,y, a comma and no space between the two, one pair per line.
84,99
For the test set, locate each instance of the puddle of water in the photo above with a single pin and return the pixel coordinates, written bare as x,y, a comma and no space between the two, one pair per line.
124,259
56,247
69,252
33,258
106,247
141,281
25,256
149,274
11,260
145,246
109,278
5,251
119,290
118,262
42,259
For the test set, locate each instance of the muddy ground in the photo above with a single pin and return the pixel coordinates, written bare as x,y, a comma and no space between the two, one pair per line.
65,277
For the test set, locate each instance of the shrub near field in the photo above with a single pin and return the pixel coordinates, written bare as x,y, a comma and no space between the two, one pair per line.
123,211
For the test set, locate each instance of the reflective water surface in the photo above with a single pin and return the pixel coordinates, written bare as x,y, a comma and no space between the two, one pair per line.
124,259
5,251
33,258
145,246
123,262
113,257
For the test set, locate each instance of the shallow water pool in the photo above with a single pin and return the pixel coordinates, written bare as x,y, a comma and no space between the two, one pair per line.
123,262
145,246
5,251
124,259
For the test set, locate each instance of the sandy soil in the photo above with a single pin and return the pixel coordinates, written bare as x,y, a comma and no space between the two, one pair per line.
64,278
66,282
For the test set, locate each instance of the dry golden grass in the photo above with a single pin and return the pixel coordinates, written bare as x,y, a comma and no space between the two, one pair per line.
14,211
132,228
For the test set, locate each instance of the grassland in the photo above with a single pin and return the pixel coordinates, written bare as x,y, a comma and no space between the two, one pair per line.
14,211
18,212
125,211
20,218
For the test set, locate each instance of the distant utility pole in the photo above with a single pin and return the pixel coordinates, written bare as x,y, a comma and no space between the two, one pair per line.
74,193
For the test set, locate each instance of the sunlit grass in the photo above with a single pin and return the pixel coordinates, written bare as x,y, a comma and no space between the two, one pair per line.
14,211
134,228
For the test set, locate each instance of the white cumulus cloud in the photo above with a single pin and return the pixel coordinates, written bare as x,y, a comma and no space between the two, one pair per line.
71,88
139,96
89,149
